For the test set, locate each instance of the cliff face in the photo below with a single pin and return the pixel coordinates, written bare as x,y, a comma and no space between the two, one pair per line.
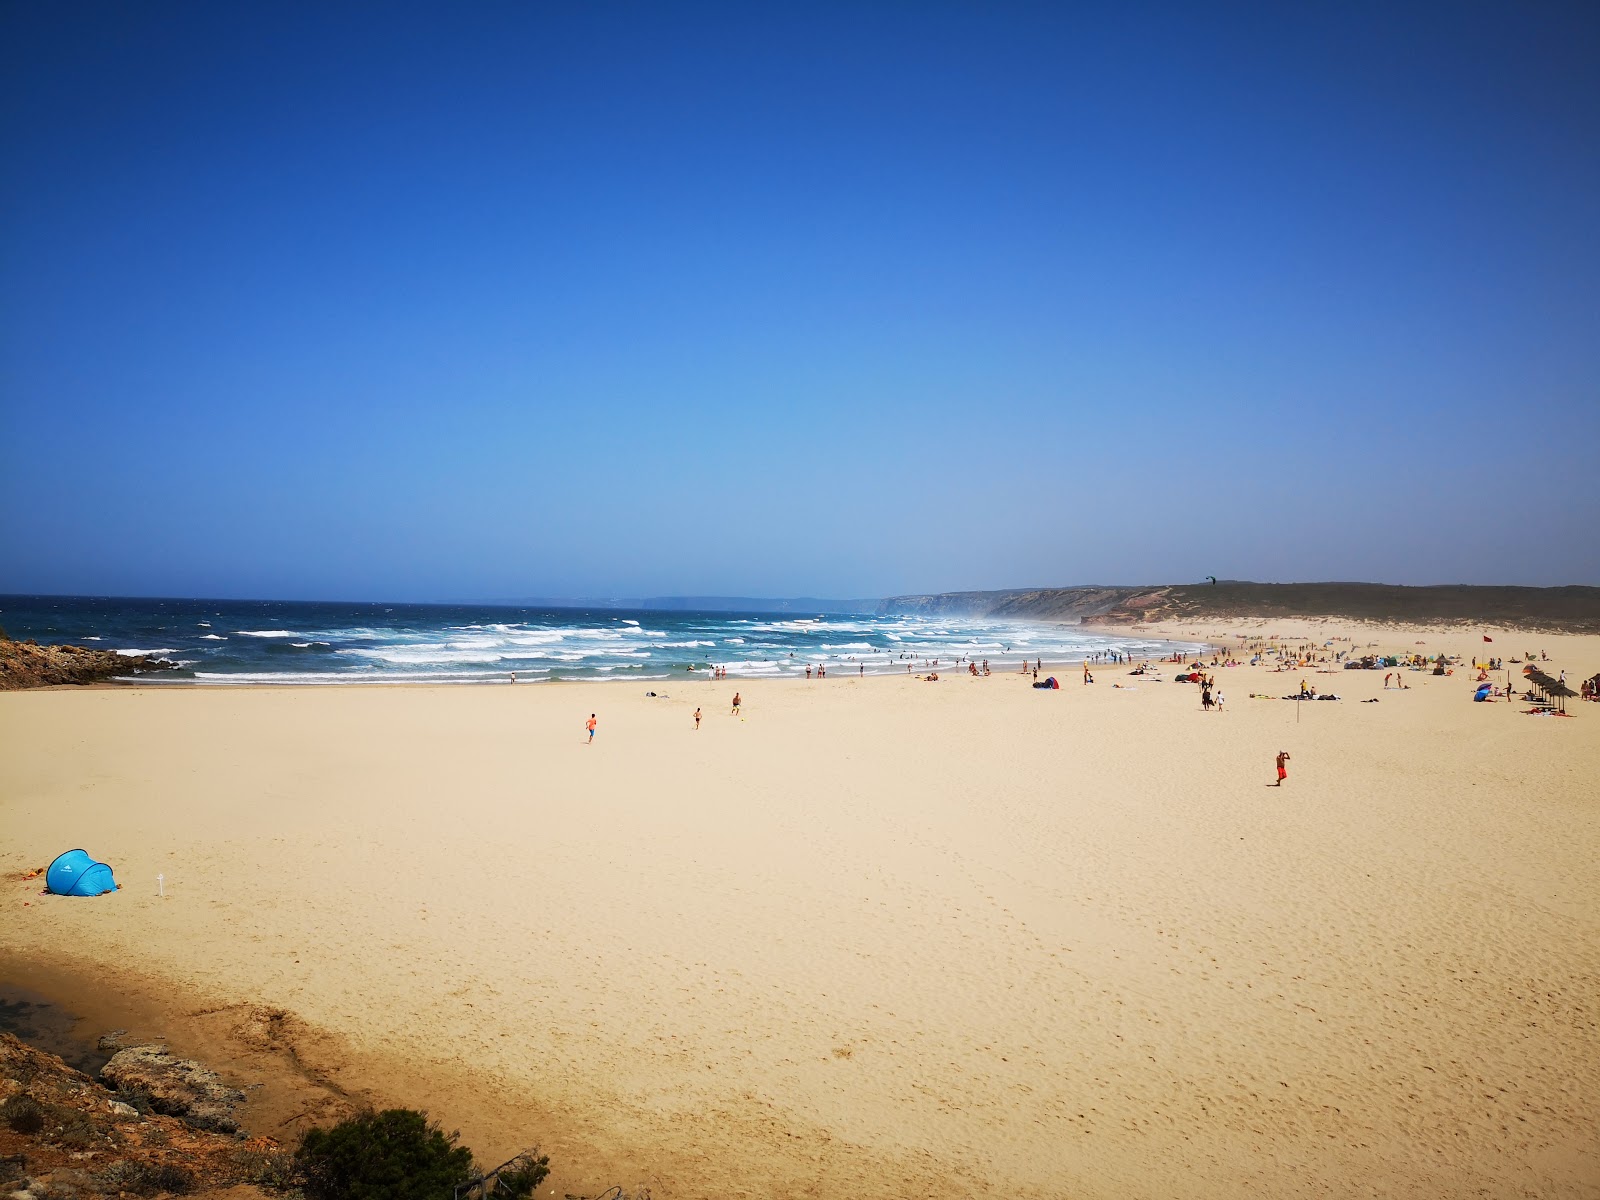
28,665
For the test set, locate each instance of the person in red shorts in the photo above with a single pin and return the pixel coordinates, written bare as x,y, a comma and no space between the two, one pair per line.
1283,771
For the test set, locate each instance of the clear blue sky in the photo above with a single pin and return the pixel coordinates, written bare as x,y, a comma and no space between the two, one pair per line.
415,301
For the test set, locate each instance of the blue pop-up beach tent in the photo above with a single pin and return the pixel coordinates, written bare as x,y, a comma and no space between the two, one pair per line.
76,874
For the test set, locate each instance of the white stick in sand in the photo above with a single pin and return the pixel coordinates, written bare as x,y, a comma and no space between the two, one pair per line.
161,887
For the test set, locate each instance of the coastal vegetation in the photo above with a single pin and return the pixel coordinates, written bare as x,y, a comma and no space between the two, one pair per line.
63,1135
1572,609
398,1154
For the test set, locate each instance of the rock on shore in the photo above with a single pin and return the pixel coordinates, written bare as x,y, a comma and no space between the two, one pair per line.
29,665
62,1134
176,1087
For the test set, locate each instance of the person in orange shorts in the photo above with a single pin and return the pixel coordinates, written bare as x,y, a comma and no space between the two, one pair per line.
1283,771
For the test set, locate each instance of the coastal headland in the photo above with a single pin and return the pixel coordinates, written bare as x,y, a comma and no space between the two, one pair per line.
1574,609
959,937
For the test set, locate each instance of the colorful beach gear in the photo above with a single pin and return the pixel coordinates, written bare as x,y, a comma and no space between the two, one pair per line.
76,874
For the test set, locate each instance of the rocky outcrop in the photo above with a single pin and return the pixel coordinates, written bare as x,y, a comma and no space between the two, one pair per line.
151,1078
28,665
62,1134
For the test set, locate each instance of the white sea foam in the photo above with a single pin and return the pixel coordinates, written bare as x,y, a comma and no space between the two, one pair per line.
137,653
204,624
753,670
427,655
417,651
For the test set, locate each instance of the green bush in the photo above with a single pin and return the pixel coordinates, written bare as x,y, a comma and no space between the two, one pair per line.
147,1179
392,1155
22,1113
73,1129
269,1168
525,1174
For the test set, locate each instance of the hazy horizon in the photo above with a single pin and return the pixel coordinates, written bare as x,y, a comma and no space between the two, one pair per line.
644,602
430,301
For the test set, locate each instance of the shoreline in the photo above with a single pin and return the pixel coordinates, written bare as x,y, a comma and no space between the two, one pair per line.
982,937
335,647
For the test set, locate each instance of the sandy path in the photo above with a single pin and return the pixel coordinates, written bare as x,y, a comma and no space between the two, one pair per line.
960,937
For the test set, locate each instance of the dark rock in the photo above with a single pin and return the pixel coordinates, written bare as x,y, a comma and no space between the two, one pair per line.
28,664
177,1087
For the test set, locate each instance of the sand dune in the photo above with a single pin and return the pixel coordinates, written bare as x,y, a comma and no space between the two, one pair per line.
879,936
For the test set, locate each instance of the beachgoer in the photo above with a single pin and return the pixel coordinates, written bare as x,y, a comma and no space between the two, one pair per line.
808,672
589,725
1219,701
697,718
1283,771
735,704
513,677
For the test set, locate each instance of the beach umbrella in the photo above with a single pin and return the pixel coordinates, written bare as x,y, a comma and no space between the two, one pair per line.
1560,691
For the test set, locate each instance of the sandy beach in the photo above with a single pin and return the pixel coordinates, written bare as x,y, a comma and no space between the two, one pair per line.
874,936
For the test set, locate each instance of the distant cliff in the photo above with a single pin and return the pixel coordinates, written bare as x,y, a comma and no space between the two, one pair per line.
29,665
1572,609
1033,604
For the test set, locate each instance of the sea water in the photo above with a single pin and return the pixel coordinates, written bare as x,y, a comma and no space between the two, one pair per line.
303,642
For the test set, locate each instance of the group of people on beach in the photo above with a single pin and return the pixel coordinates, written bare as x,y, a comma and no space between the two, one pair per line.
1208,699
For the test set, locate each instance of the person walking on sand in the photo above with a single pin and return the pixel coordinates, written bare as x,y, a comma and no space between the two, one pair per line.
1283,771
589,725
735,704
697,718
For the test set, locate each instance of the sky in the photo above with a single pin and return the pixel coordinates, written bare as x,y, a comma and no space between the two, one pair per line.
435,301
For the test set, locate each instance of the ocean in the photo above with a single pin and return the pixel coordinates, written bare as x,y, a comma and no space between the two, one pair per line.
223,642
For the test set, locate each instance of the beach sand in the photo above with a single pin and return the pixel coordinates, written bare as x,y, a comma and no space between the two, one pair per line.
879,937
